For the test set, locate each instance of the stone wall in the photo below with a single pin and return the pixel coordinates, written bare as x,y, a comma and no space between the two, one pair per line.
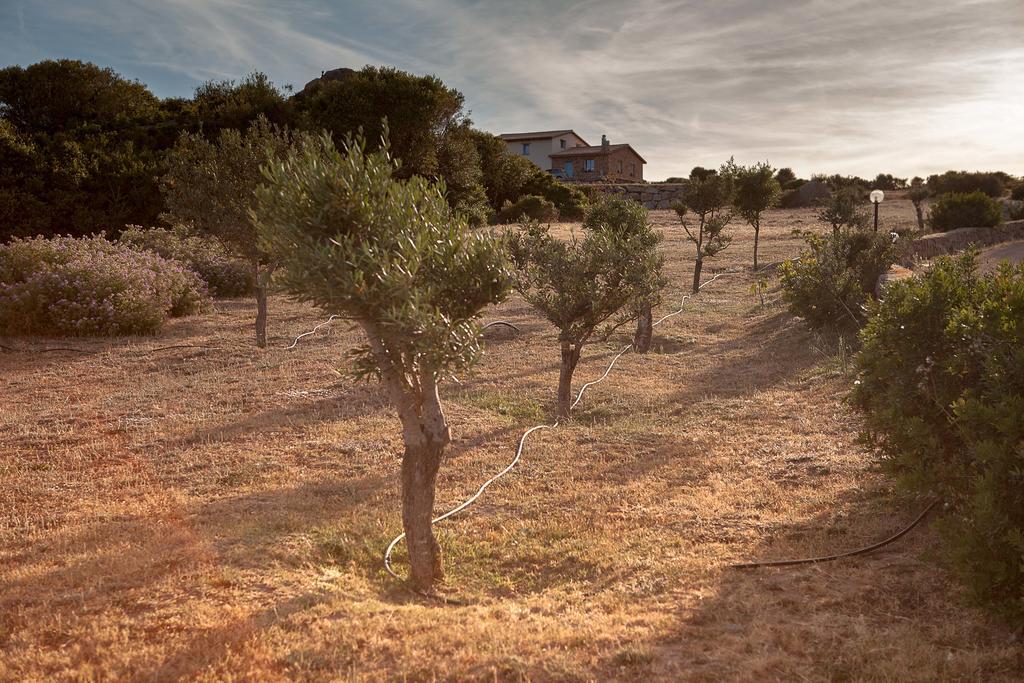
651,195
928,247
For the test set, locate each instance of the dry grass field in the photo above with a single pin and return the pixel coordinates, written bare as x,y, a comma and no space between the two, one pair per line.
216,512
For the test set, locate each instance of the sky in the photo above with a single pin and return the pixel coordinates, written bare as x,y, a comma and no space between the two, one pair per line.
908,87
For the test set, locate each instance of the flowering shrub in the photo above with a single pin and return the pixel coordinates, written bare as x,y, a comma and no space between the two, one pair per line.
225,276
90,286
941,383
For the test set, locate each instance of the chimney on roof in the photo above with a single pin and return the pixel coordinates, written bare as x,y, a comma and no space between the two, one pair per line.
604,143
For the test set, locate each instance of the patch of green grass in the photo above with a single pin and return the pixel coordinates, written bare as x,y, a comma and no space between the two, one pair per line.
510,404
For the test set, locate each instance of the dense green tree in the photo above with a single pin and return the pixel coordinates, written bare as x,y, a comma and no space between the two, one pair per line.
580,284
785,176
211,186
756,191
708,196
427,129
392,257
229,104
843,210
627,218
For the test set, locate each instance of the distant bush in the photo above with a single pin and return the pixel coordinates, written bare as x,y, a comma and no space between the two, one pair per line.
829,283
941,382
529,207
90,286
224,276
570,201
1017,193
974,210
964,182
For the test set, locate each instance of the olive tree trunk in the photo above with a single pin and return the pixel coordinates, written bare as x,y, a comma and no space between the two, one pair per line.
570,357
696,272
644,330
757,235
425,435
920,216
262,285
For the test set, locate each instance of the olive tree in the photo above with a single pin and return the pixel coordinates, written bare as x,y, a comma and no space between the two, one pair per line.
917,193
757,190
580,284
842,210
708,196
392,257
625,217
211,186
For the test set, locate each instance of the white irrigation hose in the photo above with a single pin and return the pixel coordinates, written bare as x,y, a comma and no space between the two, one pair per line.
522,440
312,331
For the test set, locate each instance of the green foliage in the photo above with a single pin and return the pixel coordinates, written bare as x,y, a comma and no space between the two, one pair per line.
569,200
224,276
528,207
358,242
755,189
89,286
618,215
941,382
887,182
219,105
421,118
784,176
79,150
963,182
580,284
974,210
211,186
1017,193
832,279
842,210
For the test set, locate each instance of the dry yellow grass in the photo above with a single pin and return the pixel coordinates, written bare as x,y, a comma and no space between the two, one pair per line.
219,513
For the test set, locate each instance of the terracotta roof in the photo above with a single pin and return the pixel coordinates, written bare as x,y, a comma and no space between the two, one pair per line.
540,135
596,150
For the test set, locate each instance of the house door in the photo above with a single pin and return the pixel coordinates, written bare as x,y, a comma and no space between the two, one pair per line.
568,169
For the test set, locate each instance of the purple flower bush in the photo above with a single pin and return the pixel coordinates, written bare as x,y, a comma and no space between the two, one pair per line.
89,286
226,277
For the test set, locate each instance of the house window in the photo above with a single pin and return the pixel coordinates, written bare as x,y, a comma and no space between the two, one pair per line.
561,143
526,149
588,165
632,169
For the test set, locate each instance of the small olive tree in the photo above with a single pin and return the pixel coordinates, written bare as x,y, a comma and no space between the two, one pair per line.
580,284
757,190
625,217
917,193
708,196
394,258
842,210
211,186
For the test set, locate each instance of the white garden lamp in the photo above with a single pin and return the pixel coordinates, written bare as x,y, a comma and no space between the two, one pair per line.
876,198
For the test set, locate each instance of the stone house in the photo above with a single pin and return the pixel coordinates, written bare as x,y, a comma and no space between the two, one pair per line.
570,157
538,147
605,162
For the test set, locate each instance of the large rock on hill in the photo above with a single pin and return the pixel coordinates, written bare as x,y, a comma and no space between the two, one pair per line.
326,76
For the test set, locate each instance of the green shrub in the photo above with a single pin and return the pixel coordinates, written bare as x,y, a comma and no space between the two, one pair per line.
89,286
1017,194
224,276
964,182
941,382
529,207
570,201
973,210
829,283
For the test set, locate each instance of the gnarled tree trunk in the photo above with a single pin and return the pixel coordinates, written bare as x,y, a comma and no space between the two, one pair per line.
920,215
644,330
570,357
262,285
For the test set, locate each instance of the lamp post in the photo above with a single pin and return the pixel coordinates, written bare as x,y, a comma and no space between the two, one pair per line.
876,197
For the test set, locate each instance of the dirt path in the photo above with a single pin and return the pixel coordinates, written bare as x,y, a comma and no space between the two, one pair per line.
992,257
220,512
